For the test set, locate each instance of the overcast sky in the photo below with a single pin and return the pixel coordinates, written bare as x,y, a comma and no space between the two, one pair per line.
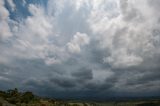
80,48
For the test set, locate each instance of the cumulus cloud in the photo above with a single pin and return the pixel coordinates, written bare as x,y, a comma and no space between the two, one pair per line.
38,23
121,59
103,46
4,22
11,4
120,33
79,39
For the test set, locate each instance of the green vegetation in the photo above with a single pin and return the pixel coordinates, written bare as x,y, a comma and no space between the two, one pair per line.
16,98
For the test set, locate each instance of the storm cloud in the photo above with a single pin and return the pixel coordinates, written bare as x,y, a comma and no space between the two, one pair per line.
89,48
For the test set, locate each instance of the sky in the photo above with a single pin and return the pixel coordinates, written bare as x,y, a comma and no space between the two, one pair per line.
81,48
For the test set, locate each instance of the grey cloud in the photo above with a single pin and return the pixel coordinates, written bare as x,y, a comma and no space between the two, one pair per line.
4,22
129,13
154,3
146,78
83,74
12,5
79,39
106,86
120,57
63,82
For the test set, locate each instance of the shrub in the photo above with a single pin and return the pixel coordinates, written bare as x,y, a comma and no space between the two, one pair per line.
27,97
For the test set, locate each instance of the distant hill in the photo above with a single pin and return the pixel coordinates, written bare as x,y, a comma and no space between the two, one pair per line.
15,98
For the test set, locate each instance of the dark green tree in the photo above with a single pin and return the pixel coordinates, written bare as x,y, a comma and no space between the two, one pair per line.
27,97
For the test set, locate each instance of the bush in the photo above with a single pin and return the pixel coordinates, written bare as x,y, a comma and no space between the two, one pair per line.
27,97
148,104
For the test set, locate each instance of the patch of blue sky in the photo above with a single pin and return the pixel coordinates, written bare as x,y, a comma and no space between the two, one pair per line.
21,11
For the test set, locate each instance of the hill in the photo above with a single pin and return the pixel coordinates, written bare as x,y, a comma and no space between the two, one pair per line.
16,98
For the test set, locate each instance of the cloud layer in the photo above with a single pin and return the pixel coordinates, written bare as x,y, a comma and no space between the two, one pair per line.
91,48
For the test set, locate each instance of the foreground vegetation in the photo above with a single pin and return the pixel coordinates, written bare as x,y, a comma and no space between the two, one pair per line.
16,98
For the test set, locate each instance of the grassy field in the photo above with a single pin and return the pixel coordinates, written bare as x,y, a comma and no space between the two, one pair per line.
124,103
46,102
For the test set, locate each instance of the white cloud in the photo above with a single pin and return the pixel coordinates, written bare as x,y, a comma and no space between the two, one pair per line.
39,24
4,19
79,40
125,34
120,59
11,4
32,34
34,39
100,76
